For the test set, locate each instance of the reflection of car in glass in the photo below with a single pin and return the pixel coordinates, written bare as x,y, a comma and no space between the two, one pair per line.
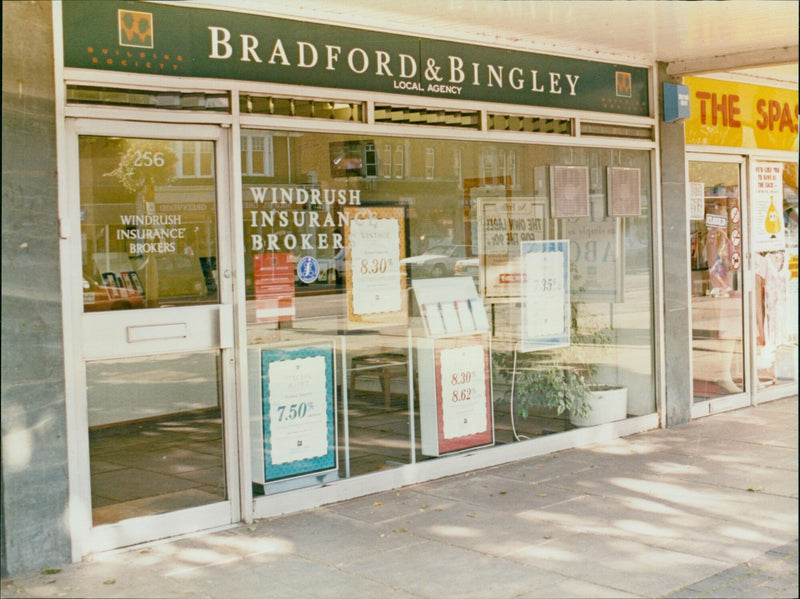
437,261
97,298
468,267
178,276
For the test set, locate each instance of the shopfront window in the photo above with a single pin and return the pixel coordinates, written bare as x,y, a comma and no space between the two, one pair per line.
148,223
513,319
775,226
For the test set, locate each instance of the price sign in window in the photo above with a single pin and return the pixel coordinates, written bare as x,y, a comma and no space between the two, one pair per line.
455,394
298,409
375,275
463,391
545,295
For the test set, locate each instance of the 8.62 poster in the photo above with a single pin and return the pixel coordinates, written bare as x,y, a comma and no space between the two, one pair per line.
463,393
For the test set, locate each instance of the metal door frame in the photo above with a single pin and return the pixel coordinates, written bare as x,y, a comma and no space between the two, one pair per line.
742,399
86,538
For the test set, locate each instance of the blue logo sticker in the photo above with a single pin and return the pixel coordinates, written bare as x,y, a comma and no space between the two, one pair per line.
308,269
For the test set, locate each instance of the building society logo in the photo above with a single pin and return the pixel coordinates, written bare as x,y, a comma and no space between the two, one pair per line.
308,269
135,28
623,84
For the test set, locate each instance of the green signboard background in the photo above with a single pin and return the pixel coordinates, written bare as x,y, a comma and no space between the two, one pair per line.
173,40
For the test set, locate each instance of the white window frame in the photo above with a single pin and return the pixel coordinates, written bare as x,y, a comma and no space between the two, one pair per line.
386,162
248,168
458,167
430,163
195,148
399,162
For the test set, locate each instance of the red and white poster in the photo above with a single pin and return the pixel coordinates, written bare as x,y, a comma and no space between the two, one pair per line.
274,287
463,394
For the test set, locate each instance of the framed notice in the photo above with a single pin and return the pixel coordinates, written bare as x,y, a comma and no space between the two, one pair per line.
376,280
624,185
455,395
569,191
502,225
545,295
297,411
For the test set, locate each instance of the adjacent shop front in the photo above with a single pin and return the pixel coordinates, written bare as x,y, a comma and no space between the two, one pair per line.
303,263
742,163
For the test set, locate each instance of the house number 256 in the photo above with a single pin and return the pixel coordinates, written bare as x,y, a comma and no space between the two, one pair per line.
148,158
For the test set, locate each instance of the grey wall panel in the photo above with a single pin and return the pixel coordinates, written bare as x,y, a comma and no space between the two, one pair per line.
34,457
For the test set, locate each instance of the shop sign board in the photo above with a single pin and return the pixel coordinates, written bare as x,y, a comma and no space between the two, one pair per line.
767,208
546,311
458,414
185,42
741,115
298,412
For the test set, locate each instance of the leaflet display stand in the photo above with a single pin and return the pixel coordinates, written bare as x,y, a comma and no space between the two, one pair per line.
450,307
454,367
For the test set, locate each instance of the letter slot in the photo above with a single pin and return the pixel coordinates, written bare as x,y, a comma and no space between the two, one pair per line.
154,332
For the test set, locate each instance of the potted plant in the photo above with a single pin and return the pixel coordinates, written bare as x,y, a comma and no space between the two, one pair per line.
563,379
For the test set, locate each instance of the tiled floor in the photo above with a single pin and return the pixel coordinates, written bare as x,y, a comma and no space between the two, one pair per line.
173,462
156,466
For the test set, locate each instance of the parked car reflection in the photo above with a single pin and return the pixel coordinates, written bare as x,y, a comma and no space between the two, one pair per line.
437,261
97,298
468,267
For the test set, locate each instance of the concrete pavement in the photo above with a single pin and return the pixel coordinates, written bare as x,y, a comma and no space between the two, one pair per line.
708,509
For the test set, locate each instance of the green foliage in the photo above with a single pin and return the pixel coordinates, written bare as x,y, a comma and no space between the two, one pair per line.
543,380
561,379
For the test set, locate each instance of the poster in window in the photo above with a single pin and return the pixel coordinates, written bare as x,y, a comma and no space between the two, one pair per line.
569,191
298,411
463,394
273,276
502,225
624,189
376,279
545,295
697,204
767,208
598,257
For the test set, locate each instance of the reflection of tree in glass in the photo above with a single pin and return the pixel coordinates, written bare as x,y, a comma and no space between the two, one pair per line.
146,162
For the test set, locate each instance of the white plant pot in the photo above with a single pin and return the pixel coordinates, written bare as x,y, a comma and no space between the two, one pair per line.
607,405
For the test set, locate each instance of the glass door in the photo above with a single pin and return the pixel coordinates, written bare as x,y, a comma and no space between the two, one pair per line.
718,356
156,327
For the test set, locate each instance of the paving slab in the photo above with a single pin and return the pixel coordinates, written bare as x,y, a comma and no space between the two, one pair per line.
708,509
